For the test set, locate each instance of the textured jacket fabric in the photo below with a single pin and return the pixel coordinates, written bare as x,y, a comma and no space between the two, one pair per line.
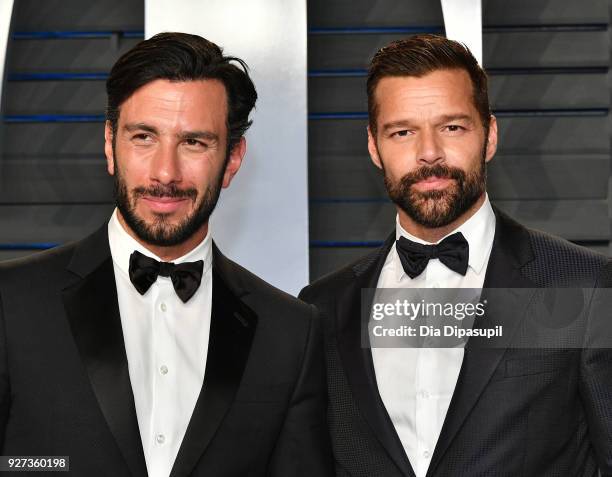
65,388
533,412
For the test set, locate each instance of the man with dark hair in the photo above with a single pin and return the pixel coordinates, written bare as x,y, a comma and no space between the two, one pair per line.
487,409
142,350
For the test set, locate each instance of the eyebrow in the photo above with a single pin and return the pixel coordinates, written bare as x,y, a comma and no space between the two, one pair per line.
397,124
207,135
446,118
131,127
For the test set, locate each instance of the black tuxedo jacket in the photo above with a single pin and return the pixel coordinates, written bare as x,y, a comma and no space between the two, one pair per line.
514,412
65,388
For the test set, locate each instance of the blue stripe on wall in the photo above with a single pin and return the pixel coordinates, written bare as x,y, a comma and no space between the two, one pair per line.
313,244
44,35
344,244
67,34
61,76
375,30
54,118
440,29
89,118
28,246
578,70
498,113
55,76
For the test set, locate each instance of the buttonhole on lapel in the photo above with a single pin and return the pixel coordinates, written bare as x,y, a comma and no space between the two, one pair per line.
241,319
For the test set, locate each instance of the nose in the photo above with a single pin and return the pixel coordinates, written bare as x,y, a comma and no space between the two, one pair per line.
429,148
165,166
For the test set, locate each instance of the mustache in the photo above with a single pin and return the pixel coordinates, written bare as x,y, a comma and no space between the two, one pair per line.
160,190
439,170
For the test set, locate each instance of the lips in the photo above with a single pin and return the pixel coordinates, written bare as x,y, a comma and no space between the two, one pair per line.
433,182
164,205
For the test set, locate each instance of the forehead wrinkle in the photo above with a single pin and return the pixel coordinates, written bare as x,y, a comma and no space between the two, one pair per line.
438,107
182,109
433,86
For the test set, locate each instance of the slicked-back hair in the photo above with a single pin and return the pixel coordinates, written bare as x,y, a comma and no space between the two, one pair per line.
420,55
182,57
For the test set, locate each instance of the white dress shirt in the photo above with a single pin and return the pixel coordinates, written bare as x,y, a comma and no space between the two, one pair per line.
417,384
166,343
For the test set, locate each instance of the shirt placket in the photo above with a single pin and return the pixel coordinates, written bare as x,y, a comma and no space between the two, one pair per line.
426,408
162,431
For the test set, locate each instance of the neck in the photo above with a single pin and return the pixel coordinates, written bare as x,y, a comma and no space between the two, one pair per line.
435,234
171,253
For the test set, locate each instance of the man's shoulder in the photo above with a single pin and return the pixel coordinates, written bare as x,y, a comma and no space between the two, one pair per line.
37,265
567,261
260,293
334,283
554,260
91,249
550,246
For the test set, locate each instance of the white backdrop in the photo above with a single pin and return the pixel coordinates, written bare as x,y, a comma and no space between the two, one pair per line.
463,22
261,221
6,9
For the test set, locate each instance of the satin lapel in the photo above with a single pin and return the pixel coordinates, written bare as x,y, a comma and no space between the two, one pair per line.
507,293
358,362
232,329
93,312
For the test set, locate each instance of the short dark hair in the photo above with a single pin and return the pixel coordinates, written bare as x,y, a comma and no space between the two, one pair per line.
423,54
182,57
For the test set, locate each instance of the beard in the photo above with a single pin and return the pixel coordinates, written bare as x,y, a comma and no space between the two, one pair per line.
162,232
439,207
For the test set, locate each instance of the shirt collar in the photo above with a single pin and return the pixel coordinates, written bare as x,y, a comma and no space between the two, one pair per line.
123,244
478,230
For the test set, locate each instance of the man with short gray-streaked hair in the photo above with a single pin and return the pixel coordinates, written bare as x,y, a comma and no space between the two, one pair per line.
498,410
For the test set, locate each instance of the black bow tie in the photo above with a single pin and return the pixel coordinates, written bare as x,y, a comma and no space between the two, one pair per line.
186,277
453,252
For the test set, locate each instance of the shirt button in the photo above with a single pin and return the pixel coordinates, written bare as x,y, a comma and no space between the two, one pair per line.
424,394
163,307
163,369
160,438
427,454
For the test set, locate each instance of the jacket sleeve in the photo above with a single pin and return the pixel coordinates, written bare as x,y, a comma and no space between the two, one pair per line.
303,447
4,379
596,372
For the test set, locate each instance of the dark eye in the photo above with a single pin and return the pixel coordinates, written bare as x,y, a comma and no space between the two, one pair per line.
142,139
453,128
194,143
402,133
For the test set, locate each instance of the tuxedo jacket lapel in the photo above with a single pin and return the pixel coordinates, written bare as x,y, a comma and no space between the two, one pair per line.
232,330
93,313
357,360
509,294
92,309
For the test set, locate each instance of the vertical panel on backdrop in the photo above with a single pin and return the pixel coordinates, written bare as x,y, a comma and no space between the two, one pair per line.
261,221
463,22
6,11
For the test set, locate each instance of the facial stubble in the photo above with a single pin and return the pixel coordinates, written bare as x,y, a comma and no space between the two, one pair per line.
438,207
161,232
